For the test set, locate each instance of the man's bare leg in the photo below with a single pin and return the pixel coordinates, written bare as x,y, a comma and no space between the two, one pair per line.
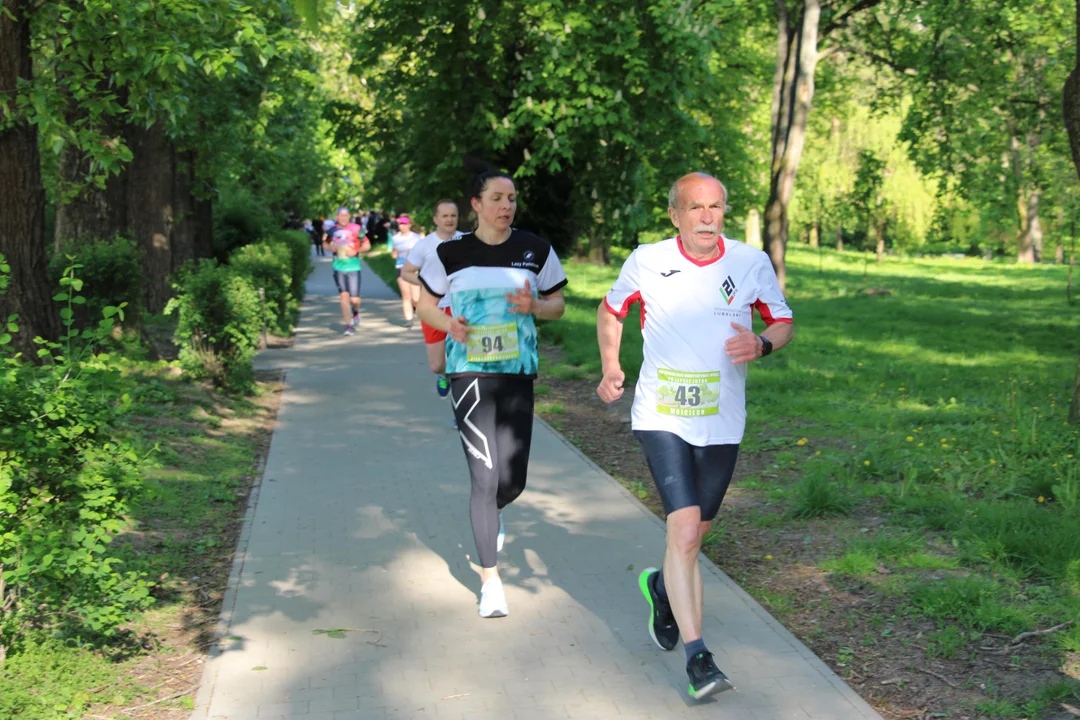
682,575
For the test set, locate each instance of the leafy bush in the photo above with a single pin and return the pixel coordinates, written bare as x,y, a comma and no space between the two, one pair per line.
110,273
267,266
219,324
240,219
66,485
299,244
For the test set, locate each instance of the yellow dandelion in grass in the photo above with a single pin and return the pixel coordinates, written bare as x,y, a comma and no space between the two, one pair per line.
993,461
768,557
1042,499
1013,430
901,389
944,446
937,470
997,432
910,439
1069,456
802,441
865,462
1054,465
860,365
921,444
817,452
944,439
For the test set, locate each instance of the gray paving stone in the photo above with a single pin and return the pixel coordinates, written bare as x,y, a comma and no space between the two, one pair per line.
361,523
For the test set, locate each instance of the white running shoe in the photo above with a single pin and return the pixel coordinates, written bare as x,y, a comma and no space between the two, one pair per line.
501,537
493,599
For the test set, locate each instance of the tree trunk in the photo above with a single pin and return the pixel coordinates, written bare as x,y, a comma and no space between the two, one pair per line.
1030,228
1070,102
753,228
839,239
793,92
22,195
879,234
204,227
184,202
151,210
815,234
94,213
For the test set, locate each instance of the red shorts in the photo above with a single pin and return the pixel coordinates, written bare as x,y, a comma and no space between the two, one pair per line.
431,335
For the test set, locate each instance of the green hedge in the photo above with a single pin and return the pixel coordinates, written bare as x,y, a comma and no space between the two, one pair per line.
110,272
299,244
269,268
67,483
219,325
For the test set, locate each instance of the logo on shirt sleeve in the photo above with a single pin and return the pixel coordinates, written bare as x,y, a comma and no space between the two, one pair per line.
728,289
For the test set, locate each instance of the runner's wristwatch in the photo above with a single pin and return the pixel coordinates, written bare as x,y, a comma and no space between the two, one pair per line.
766,345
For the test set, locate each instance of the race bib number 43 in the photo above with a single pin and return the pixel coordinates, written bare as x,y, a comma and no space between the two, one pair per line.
491,343
687,394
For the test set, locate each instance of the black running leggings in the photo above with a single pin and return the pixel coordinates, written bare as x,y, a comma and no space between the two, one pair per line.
494,418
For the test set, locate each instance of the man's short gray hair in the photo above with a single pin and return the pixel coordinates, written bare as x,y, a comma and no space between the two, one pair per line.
673,193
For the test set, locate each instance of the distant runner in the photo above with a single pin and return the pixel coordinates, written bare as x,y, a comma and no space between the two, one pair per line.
401,244
346,240
446,221
698,292
498,279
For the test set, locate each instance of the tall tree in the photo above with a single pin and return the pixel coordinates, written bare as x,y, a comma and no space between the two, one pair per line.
595,108
802,26
22,195
982,77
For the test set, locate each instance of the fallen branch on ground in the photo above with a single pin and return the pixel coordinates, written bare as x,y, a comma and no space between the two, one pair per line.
939,676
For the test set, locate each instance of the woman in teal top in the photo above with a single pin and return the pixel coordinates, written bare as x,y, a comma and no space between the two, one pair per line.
499,280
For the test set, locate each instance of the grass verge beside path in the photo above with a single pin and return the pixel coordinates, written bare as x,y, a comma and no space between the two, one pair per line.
203,452
908,499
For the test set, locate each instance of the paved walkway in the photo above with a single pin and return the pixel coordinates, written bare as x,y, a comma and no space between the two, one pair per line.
361,524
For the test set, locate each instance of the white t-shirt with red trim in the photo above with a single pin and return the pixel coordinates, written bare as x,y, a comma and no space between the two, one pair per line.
424,250
688,385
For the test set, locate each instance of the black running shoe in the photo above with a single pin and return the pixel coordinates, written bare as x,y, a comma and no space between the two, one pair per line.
705,677
662,626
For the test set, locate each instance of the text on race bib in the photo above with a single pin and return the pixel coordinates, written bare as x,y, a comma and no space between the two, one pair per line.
492,343
687,394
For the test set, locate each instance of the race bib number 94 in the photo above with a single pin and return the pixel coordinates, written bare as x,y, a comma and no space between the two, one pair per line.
492,343
687,394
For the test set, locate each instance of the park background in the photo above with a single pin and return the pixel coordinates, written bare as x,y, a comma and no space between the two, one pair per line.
910,494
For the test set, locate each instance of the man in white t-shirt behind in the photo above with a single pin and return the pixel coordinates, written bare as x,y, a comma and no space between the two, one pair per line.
446,222
697,292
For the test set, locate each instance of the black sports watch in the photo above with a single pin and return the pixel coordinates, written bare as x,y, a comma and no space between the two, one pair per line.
766,345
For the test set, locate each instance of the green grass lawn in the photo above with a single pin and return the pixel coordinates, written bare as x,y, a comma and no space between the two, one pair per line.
940,405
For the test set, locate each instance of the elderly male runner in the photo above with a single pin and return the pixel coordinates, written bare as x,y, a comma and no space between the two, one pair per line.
697,293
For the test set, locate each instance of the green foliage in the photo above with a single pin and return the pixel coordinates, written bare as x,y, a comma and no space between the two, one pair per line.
300,267
66,485
818,495
240,219
220,318
267,265
973,601
111,273
48,680
594,108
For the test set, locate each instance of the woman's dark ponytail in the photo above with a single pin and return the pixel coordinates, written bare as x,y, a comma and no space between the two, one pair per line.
480,175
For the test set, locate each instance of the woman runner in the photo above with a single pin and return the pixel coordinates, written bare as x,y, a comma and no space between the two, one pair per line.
401,243
499,280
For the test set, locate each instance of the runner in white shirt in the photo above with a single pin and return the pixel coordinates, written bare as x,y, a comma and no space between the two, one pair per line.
697,292
446,221
401,245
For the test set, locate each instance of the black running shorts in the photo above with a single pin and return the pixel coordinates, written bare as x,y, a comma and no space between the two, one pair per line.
688,475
